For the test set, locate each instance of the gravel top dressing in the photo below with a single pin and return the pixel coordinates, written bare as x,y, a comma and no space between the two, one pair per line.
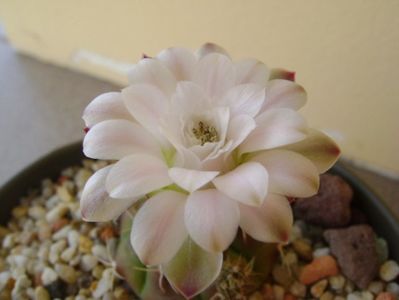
48,252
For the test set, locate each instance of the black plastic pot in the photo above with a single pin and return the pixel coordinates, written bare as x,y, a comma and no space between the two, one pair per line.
380,217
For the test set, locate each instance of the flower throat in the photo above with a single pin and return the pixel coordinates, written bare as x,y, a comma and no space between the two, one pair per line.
205,133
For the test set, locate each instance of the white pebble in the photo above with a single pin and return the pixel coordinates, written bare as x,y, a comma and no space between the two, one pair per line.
88,262
37,212
73,238
20,287
68,254
376,287
57,212
105,283
4,277
49,276
337,283
100,252
389,270
75,261
55,250
393,288
321,252
66,273
298,289
9,241
62,233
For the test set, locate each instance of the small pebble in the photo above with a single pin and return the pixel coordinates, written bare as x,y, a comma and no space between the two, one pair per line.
393,288
298,289
41,293
319,268
66,273
64,194
376,287
337,283
57,213
303,248
49,276
88,262
68,254
318,288
278,292
19,211
321,252
327,296
85,244
37,212
389,270
256,296
385,296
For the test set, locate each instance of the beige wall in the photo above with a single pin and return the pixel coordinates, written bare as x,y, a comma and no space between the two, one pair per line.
345,53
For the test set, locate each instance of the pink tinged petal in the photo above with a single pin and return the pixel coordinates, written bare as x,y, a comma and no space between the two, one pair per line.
269,223
215,74
115,139
275,128
191,180
252,71
290,173
244,99
193,269
137,175
105,107
96,205
209,48
179,61
147,104
282,74
211,219
189,98
319,148
239,128
153,72
247,183
282,93
158,228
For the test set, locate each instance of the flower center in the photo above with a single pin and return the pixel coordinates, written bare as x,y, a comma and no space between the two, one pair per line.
205,133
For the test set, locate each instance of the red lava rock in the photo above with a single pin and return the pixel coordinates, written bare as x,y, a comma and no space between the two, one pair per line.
330,208
385,296
107,233
57,225
355,249
321,267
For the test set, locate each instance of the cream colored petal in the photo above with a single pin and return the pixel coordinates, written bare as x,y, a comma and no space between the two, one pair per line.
180,62
209,48
319,148
290,174
275,128
96,205
137,175
115,139
252,71
282,93
158,228
247,183
153,72
191,180
211,219
106,106
269,223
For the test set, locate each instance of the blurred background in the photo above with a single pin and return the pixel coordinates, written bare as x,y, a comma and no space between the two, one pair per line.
345,54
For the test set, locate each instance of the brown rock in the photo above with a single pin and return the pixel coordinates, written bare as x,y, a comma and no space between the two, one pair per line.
385,296
330,207
355,250
321,267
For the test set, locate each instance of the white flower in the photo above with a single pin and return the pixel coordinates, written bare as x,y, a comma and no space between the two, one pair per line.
214,143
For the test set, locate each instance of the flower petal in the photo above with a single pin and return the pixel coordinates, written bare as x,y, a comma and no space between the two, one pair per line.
137,175
239,128
211,219
282,93
158,228
96,205
247,183
147,104
319,148
189,98
209,48
276,127
244,99
180,62
193,269
115,139
290,174
269,223
153,72
191,180
215,74
252,71
106,107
